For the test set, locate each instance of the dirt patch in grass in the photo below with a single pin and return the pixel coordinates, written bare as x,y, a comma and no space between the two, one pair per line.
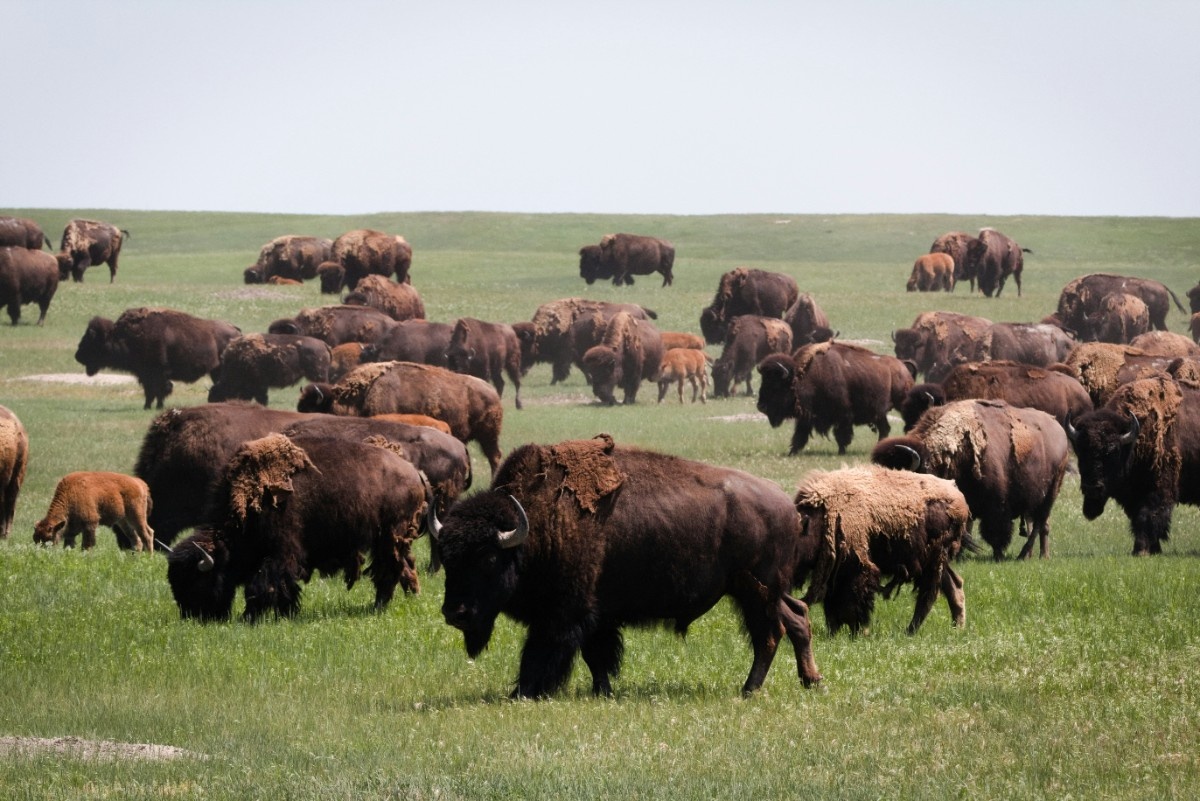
748,417
93,750
80,378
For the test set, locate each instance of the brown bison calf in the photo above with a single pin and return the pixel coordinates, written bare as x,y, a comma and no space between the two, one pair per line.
684,364
84,500
932,272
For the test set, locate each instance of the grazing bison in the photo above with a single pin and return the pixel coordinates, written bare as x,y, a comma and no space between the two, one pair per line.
486,350
293,257
252,363
932,272
411,341
683,364
469,405
1142,449
27,276
955,245
622,256
579,539
746,291
629,352
286,508
938,340
364,252
808,321
548,337
84,501
1056,393
157,346
868,522
22,232
1081,298
1008,461
88,242
993,257
334,325
831,385
748,340
1040,344
398,301
14,457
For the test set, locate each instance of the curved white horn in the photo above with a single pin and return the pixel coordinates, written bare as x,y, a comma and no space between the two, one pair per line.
511,539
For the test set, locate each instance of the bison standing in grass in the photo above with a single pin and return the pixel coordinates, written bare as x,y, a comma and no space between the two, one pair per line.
745,290
27,276
85,500
253,363
22,232
285,509
629,353
864,523
580,539
88,242
488,351
14,458
622,256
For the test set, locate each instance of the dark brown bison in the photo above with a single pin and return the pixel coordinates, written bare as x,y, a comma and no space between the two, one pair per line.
863,523
255,362
331,276
548,337
580,539
1081,299
1142,449
335,325
937,340
411,341
284,509
27,276
398,301
293,257
88,242
746,291
622,256
364,252
1008,461
932,272
955,244
469,405
630,352
22,232
488,351
157,346
1102,367
993,257
748,340
14,458
1040,344
808,321
1054,392
832,385
1120,318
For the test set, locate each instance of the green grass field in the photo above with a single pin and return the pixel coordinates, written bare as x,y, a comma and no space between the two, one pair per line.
1074,677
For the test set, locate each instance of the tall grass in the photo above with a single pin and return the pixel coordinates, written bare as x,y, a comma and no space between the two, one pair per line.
1074,677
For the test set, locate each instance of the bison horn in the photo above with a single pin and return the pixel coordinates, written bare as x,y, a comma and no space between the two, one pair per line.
914,457
162,546
431,521
1132,434
320,395
511,539
207,564
1072,431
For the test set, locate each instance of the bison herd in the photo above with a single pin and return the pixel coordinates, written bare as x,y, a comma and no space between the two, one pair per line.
581,538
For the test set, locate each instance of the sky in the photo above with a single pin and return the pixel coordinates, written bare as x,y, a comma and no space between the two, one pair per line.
615,107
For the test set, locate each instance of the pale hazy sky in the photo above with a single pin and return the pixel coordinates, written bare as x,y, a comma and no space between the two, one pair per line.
345,106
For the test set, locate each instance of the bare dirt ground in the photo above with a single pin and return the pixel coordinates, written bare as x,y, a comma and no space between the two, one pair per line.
78,748
79,378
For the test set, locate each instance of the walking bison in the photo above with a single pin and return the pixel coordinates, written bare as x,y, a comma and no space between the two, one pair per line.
622,256
746,290
27,276
88,242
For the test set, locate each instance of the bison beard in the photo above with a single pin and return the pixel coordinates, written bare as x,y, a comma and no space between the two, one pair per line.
612,541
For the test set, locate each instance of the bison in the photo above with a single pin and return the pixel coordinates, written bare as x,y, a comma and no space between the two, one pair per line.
336,324
577,540
863,523
85,500
364,252
293,257
993,257
955,244
411,341
938,340
22,232
1008,461
1081,298
832,385
1040,344
548,336
683,364
1102,367
14,458
469,405
1121,317
746,291
27,276
253,363
486,350
88,242
808,321
286,508
622,256
1142,449
398,301
630,352
748,340
932,272
157,346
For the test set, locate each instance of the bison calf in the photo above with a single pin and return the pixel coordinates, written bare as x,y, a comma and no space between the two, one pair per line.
684,364
84,500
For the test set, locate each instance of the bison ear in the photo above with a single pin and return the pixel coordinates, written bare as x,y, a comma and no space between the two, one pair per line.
607,439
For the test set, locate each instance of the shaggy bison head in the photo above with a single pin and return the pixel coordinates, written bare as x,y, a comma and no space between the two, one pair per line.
591,264
198,572
316,398
92,352
1103,441
604,368
479,545
776,398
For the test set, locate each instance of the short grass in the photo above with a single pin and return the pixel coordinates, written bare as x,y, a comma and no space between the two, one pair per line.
1074,677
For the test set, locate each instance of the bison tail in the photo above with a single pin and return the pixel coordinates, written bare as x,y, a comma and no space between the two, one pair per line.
1178,305
970,544
125,233
653,315
1026,250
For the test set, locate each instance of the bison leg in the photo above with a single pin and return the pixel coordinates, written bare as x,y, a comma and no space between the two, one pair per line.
14,311
272,587
602,652
952,587
546,661
89,535
800,435
794,614
1150,525
928,585
843,435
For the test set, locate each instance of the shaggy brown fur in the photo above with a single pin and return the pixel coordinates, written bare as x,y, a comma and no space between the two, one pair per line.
84,500
550,340
684,364
679,339
27,276
344,358
415,420
744,290
398,301
1120,318
807,320
629,353
253,363
336,324
1155,402
88,242
937,340
292,258
955,244
262,469
488,351
14,456
1165,343
1056,393
364,252
588,469
750,339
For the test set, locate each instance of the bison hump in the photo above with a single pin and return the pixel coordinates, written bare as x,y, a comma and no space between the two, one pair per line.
589,470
